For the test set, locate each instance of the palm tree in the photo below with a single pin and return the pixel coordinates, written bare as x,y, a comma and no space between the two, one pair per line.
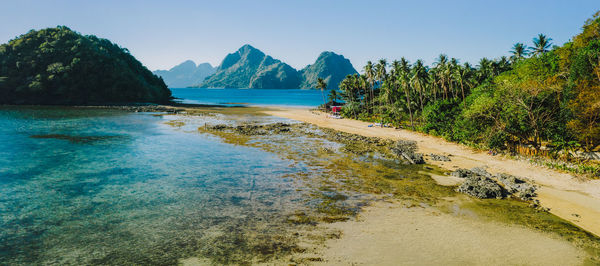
463,76
519,51
380,72
433,82
419,80
403,73
364,86
485,70
321,84
333,96
394,74
503,64
370,75
541,44
451,69
441,65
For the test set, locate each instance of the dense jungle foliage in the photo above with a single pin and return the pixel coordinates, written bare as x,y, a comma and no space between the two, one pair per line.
60,66
541,96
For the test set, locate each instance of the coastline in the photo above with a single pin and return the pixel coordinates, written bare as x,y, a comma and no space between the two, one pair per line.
570,198
387,231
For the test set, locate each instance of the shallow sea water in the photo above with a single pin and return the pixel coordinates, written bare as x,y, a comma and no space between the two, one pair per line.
81,186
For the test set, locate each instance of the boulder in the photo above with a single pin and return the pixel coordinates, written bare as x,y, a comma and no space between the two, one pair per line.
481,187
480,183
438,157
480,171
406,149
462,173
517,186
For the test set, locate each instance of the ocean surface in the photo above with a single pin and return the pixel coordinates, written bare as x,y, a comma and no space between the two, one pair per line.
310,98
96,186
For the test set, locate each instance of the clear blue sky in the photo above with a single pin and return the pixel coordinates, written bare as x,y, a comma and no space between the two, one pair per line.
164,33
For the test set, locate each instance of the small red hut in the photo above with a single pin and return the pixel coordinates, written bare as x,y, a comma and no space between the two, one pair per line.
336,110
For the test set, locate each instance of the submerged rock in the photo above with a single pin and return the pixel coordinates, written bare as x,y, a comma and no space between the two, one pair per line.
406,149
438,157
481,187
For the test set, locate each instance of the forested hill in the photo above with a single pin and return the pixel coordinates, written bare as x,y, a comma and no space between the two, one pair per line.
61,66
248,67
329,66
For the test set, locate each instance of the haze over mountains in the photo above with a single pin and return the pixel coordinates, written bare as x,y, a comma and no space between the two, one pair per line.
249,67
186,74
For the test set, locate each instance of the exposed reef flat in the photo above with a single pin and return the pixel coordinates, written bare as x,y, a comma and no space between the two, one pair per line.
356,171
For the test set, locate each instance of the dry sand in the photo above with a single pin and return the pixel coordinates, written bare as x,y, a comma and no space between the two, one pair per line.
568,197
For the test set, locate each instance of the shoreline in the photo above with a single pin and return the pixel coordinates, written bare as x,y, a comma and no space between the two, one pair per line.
391,231
570,198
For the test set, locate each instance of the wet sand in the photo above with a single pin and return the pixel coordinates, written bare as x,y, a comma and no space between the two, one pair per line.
568,197
390,234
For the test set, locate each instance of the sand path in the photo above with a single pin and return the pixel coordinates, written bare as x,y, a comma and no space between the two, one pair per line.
568,197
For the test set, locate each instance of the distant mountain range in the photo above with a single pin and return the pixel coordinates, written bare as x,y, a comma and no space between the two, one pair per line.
186,74
249,67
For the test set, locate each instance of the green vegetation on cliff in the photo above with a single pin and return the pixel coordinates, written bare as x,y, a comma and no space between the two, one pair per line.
331,67
61,66
248,67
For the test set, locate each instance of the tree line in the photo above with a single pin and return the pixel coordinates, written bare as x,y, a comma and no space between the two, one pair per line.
542,95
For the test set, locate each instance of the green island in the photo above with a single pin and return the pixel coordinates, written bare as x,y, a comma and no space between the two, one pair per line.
61,66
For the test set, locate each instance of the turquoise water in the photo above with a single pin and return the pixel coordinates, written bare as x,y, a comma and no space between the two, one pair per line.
311,98
93,186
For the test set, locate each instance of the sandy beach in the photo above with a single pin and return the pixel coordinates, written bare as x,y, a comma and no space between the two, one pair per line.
567,196
389,234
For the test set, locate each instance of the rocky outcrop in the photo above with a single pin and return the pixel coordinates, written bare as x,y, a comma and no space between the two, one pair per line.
406,149
478,183
481,187
439,157
253,129
516,186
